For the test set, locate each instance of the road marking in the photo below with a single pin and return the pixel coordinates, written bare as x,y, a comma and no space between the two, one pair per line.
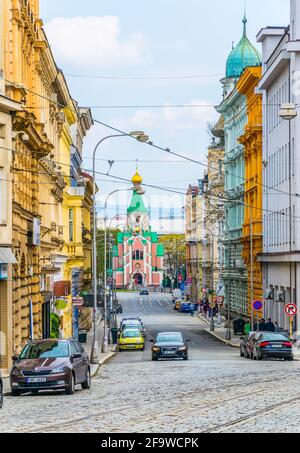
141,301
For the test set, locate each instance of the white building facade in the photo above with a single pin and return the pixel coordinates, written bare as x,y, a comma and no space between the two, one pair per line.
281,169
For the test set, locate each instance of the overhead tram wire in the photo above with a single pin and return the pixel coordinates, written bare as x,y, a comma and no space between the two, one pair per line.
150,143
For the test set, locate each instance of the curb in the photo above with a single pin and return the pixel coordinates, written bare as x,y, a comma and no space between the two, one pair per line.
213,334
102,362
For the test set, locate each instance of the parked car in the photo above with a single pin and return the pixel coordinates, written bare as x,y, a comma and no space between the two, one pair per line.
272,345
144,292
244,346
185,307
170,345
1,393
131,339
250,344
50,365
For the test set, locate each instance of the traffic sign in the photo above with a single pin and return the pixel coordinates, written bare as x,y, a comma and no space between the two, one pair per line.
220,300
258,305
291,309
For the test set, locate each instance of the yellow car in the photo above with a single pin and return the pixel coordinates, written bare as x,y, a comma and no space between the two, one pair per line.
131,339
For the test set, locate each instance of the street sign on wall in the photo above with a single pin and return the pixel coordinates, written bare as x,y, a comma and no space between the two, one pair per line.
291,309
258,305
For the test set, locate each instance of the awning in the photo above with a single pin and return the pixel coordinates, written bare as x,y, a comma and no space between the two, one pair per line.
7,256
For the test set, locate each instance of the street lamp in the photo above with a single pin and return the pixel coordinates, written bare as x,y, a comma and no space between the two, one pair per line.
141,137
288,113
212,322
139,192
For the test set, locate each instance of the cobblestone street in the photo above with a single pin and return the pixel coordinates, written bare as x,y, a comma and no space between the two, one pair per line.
215,391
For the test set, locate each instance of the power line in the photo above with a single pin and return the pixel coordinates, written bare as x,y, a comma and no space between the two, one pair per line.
184,77
150,143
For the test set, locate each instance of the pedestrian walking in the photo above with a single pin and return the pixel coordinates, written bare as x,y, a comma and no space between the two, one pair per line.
276,327
270,326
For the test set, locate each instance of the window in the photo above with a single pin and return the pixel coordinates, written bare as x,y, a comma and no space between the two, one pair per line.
71,225
137,255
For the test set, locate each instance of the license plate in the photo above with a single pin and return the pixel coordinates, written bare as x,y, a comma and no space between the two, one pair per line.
169,352
276,345
36,380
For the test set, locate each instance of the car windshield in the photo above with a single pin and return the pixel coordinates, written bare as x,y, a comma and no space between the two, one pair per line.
169,338
272,337
45,350
132,322
131,333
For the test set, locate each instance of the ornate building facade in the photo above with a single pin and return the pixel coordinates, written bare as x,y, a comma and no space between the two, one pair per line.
138,256
252,142
40,155
234,110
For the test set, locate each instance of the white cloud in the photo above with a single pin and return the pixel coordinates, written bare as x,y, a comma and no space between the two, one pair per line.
173,119
93,40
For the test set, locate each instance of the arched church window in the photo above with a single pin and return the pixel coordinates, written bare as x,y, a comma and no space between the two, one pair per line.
137,255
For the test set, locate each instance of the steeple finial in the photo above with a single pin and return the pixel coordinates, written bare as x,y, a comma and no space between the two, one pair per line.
245,25
245,20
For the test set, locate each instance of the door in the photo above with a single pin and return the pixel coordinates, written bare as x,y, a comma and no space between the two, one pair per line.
46,320
77,363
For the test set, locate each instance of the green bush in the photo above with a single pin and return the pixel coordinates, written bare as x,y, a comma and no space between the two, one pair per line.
54,325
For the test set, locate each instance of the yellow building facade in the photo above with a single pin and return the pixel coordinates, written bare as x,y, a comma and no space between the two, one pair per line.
252,142
45,125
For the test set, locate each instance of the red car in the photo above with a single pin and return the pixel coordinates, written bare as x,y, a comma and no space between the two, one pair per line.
50,365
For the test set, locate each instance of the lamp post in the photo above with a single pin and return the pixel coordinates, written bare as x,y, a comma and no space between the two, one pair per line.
141,137
288,113
212,322
228,332
139,192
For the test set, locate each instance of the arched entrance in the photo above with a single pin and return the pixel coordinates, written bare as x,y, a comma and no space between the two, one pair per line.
138,279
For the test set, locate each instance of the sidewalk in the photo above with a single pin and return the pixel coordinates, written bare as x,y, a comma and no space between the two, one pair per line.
220,332
88,346
103,357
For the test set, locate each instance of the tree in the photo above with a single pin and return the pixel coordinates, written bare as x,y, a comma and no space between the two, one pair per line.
175,254
111,240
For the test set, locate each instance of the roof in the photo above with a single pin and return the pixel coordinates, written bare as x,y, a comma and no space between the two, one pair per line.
136,204
242,56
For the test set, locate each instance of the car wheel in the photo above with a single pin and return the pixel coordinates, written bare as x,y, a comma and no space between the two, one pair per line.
15,392
87,383
155,359
259,357
70,390
186,357
34,392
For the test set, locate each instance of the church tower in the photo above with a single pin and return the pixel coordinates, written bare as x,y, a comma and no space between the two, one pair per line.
137,214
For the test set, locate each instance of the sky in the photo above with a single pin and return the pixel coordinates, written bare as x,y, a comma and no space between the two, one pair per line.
115,42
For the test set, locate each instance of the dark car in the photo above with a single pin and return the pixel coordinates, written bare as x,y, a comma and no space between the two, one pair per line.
170,345
245,348
144,292
272,345
50,365
1,393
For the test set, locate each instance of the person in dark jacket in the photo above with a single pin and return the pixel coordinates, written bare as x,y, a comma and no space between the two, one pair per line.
269,326
262,325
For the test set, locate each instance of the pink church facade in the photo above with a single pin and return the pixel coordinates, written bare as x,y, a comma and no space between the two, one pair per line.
138,256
